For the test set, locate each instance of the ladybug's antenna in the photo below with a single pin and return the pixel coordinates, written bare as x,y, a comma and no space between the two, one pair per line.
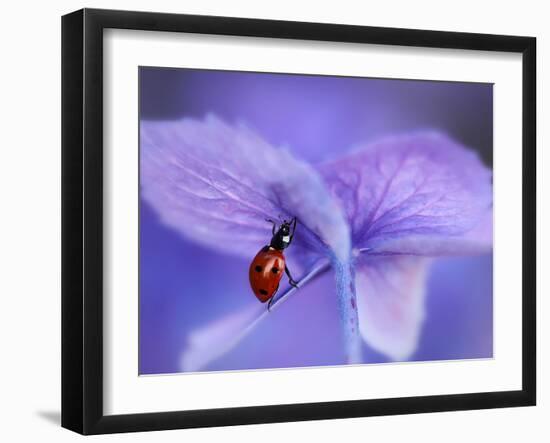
293,221
273,225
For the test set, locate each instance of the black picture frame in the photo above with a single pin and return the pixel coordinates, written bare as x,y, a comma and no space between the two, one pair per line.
82,220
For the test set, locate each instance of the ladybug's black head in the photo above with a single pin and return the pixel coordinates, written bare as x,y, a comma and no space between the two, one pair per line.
282,238
285,228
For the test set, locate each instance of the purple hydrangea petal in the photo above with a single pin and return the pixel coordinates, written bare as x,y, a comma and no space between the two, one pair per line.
477,241
416,194
216,184
390,301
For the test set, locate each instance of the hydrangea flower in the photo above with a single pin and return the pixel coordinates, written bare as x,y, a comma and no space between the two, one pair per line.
376,217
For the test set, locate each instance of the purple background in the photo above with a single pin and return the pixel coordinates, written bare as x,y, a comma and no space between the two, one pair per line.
317,118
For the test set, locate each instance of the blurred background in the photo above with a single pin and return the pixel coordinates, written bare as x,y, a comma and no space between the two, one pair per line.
184,286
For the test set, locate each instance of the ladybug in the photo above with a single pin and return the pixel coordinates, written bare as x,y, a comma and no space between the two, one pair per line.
266,269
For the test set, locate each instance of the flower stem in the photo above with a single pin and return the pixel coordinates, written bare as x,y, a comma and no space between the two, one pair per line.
345,288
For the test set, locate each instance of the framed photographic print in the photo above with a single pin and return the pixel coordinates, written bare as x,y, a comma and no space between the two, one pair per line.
269,221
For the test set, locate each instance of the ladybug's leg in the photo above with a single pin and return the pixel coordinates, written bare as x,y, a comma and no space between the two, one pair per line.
272,299
290,279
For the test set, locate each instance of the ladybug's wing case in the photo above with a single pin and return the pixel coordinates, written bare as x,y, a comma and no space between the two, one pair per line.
266,271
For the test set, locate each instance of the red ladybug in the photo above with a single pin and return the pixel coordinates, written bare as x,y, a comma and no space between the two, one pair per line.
266,270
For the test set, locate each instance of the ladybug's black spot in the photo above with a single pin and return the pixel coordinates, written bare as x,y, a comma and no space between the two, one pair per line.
263,292
258,268
274,270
